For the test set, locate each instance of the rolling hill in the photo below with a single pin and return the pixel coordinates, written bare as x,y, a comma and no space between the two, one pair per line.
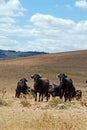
10,54
74,64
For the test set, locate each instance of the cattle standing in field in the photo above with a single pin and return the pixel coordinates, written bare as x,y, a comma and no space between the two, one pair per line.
41,86
67,87
22,87
78,95
55,90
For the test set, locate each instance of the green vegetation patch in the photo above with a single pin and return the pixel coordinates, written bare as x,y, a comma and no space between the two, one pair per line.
3,103
56,103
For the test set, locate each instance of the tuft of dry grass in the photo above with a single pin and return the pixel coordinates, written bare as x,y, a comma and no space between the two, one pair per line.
54,102
3,102
24,102
84,103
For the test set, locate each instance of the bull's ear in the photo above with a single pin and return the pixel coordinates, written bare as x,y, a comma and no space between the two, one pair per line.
65,76
26,80
40,76
58,75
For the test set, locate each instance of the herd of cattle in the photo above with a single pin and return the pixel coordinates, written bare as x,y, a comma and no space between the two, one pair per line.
65,89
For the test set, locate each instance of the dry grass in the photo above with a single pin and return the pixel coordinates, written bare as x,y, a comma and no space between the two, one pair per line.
25,114
38,117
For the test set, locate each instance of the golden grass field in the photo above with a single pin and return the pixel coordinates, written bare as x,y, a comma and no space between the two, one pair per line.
26,114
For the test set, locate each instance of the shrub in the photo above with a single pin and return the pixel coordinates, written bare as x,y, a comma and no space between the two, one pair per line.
3,103
84,103
54,103
24,102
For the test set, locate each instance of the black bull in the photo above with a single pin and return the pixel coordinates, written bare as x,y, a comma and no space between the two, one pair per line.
67,87
55,90
22,87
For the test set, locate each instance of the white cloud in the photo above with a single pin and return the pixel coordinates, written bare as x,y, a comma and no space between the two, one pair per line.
81,4
56,34
14,5
8,43
43,33
11,8
7,20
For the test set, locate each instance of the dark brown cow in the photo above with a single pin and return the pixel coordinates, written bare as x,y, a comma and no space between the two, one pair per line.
67,87
41,86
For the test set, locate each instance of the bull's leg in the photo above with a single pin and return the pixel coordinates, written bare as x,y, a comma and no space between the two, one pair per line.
42,97
70,96
61,93
61,96
39,96
66,97
47,96
35,96
69,99
17,94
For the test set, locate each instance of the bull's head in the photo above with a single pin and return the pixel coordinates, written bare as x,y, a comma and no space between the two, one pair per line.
23,80
61,77
36,76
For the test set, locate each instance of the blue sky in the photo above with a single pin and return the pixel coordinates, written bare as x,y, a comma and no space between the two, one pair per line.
49,25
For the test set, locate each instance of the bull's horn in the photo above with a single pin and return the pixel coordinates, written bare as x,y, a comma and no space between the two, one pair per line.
57,75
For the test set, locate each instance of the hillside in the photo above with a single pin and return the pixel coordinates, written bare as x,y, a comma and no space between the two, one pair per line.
10,54
25,113
74,64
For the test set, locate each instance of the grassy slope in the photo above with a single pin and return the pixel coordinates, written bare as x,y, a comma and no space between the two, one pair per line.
74,64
